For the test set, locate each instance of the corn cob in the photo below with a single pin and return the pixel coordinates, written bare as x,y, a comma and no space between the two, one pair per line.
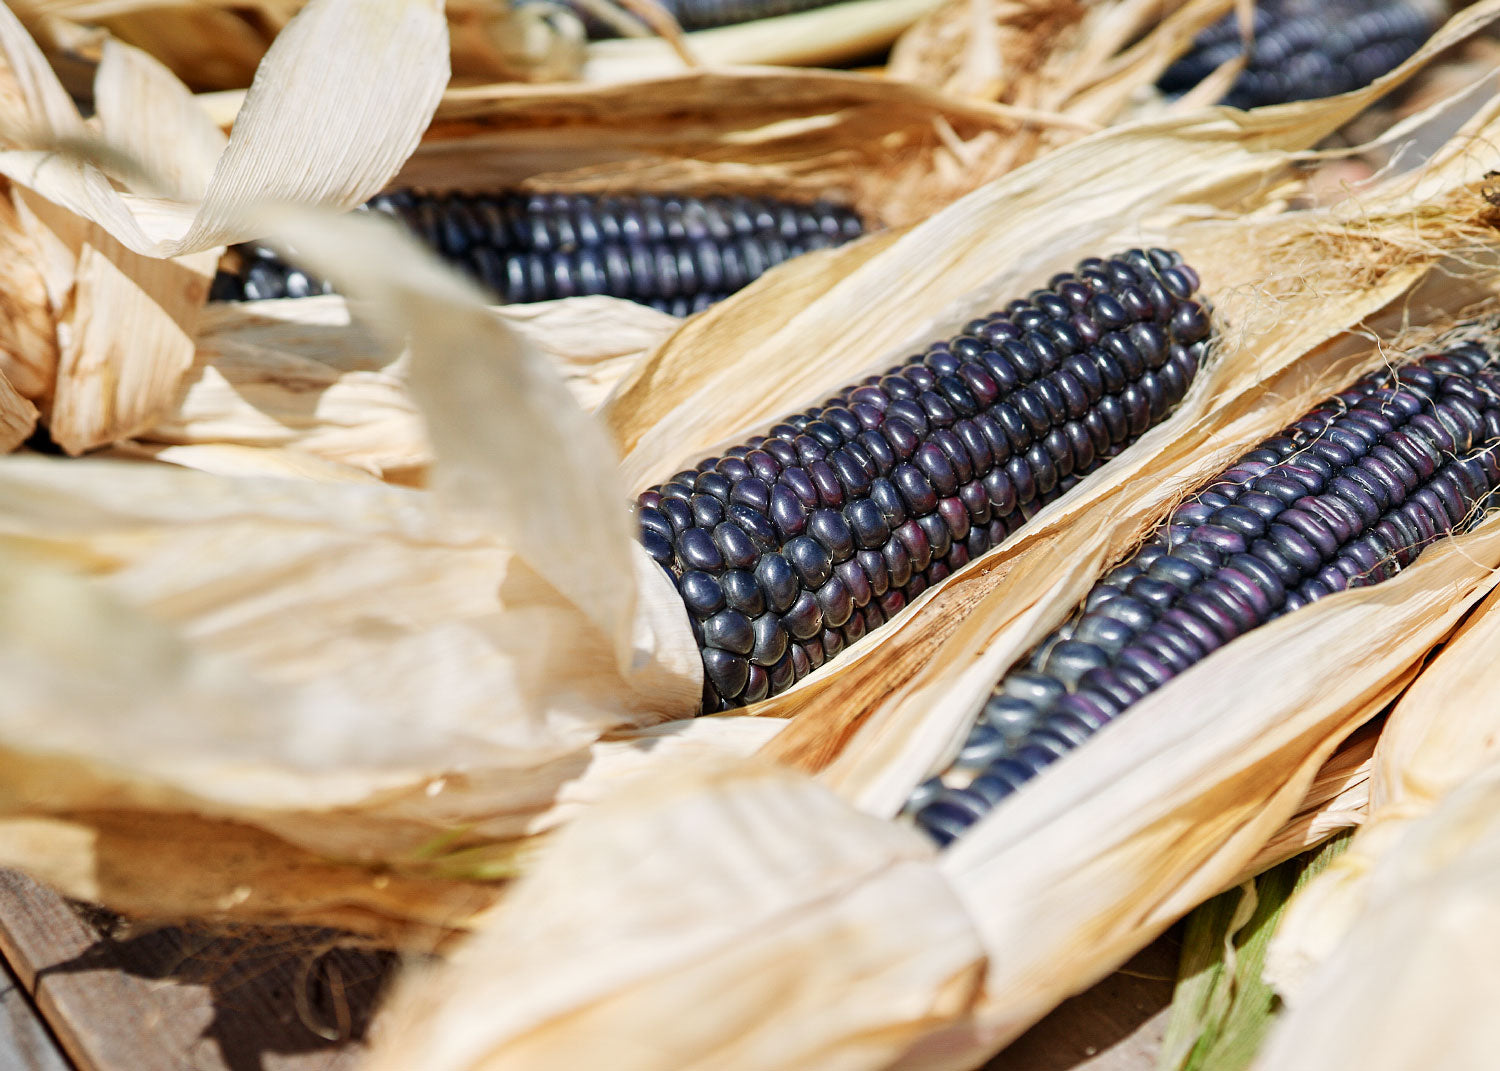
706,14
800,541
1345,497
1305,49
678,254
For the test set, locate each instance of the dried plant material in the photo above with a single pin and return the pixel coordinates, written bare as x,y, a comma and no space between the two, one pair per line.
1425,754
402,674
125,256
1222,1007
1337,800
213,46
177,867
1413,981
17,417
1168,806
301,374
824,36
593,948
28,342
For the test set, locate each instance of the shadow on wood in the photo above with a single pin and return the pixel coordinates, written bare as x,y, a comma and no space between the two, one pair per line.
281,991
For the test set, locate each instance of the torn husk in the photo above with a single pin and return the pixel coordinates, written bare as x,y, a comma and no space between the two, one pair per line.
1412,979
1426,753
115,239
216,46
1107,847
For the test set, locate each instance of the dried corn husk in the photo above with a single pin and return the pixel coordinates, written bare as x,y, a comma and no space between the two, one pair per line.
1412,980
113,259
1442,736
214,45
301,375
428,567
1106,849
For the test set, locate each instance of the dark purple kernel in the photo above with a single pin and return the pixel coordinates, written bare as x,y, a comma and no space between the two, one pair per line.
826,482
787,512
810,559
729,673
738,551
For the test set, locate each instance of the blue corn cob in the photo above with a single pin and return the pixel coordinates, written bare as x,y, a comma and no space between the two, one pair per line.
709,14
797,543
678,254
1345,497
1305,49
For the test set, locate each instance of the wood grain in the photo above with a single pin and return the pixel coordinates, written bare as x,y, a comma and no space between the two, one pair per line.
177,998
25,1042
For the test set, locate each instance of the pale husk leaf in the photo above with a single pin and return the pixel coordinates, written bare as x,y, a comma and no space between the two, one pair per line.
299,373
17,417
124,225
1413,982
598,953
1425,753
338,103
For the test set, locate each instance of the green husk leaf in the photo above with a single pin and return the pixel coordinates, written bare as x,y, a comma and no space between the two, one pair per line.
1223,1007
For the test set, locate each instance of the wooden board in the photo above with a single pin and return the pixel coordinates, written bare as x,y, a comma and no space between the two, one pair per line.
170,999
25,1042
283,1000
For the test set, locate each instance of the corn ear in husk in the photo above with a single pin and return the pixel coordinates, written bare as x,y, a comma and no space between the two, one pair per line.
445,602
1403,939
1101,852
1434,765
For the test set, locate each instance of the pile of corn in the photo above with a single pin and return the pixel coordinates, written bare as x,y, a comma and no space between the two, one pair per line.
764,568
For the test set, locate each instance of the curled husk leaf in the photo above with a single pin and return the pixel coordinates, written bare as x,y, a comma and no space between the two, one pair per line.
116,224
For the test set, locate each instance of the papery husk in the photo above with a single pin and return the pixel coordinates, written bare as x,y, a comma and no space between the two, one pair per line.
1109,846
405,682
1414,978
116,250
407,561
214,48
1441,735
216,45
302,375
724,892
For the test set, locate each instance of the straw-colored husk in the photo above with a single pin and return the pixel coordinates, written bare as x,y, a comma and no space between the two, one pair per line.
301,374
1444,734
418,683
1412,979
214,46
111,265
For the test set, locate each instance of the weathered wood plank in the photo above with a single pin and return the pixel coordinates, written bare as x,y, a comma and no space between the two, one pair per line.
25,1042
169,999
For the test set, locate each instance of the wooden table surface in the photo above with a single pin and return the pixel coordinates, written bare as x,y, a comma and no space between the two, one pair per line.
80,993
